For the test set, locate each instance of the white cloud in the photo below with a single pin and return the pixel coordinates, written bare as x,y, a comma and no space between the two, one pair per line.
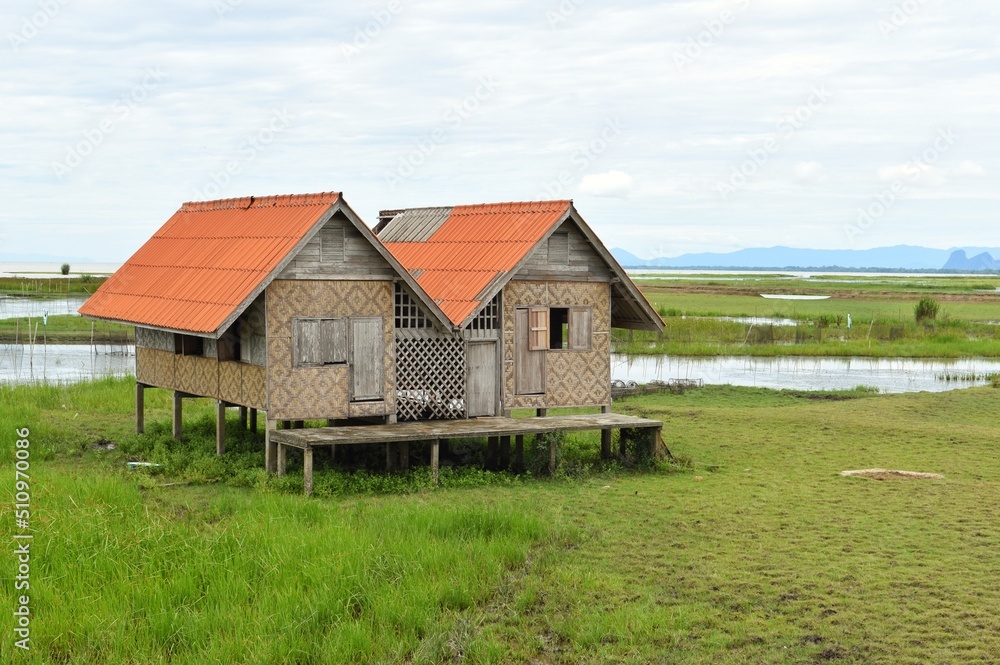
809,172
971,169
914,173
613,184
354,119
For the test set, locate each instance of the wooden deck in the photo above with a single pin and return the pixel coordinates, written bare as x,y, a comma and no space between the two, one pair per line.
436,431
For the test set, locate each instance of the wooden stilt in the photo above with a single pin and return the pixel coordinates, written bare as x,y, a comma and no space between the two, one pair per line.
220,427
492,452
282,460
286,424
300,424
504,453
178,414
606,437
243,418
541,413
140,407
654,439
623,441
253,420
390,419
552,456
404,456
519,453
330,422
435,459
307,470
270,446
391,452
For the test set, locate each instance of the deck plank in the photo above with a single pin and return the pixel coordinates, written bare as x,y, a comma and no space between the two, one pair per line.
432,430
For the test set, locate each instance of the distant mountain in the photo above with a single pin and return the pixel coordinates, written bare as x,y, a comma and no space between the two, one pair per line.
900,257
959,260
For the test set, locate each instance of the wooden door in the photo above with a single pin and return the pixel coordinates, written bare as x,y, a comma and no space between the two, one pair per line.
529,366
481,386
367,359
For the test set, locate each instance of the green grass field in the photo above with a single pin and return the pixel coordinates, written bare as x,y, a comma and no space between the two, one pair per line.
759,552
881,311
63,329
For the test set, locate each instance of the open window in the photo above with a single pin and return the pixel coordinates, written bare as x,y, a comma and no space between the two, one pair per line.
189,345
319,342
560,328
229,344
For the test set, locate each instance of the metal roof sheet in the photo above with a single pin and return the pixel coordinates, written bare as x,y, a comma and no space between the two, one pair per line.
206,260
415,225
468,250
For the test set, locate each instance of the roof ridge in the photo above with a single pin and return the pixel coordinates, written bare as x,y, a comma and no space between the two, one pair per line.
276,201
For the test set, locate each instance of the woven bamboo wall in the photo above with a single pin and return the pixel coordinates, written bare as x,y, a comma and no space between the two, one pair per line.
300,393
573,378
237,383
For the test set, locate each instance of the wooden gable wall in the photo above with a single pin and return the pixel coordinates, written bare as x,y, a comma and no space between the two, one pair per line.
338,251
565,255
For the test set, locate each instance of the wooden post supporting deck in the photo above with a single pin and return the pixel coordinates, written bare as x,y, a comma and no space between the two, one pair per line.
243,418
606,436
140,407
253,420
654,441
307,470
282,460
519,453
504,453
404,456
270,446
178,413
391,452
541,413
435,458
552,456
220,427
492,452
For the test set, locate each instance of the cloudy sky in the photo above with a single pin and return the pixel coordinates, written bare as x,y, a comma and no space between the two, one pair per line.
675,126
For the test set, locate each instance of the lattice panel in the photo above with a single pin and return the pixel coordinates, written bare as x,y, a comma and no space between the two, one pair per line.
430,379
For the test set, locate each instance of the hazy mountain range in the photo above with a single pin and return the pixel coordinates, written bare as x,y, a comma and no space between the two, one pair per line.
900,257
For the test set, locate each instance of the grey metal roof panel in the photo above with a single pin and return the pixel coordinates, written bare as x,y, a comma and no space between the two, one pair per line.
415,225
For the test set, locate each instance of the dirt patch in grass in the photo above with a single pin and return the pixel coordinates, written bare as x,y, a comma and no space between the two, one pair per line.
889,474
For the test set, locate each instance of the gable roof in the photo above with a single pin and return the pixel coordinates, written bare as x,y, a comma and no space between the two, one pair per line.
463,255
211,259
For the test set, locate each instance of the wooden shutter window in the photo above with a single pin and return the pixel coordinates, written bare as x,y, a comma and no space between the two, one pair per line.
559,249
538,328
307,342
333,341
331,245
320,341
580,328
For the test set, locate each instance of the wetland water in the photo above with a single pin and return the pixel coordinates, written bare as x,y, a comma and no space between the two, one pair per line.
889,375
68,363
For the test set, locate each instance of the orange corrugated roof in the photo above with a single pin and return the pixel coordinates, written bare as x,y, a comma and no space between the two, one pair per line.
206,261
474,247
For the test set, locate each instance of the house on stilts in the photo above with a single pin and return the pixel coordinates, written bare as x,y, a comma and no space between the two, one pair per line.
292,306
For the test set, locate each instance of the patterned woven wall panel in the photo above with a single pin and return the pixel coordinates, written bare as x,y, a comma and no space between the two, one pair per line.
165,375
573,378
367,409
297,393
255,387
231,382
145,366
